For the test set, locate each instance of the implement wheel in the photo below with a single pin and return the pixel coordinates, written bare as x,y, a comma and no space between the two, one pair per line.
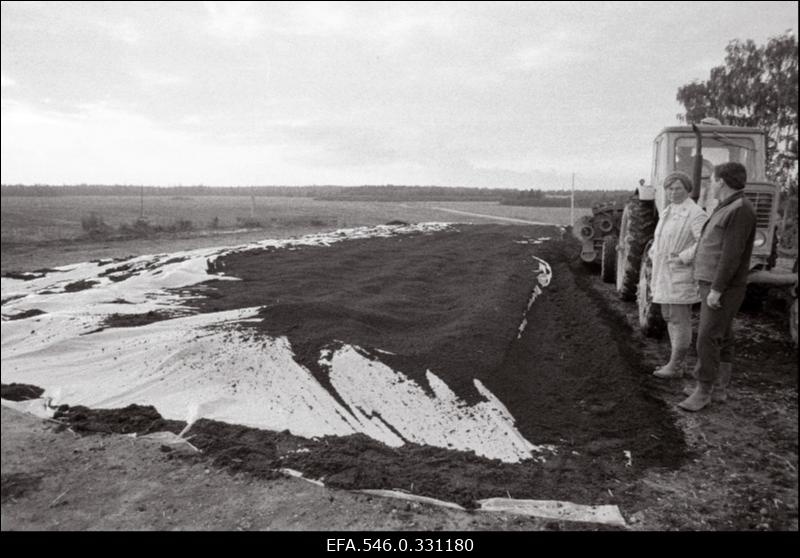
608,261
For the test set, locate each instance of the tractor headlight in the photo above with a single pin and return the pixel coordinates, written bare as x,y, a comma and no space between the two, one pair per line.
760,240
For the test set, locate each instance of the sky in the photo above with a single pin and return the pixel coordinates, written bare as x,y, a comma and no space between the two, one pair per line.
490,95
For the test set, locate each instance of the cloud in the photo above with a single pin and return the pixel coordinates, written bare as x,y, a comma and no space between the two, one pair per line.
101,144
7,81
318,18
125,31
555,50
234,21
151,78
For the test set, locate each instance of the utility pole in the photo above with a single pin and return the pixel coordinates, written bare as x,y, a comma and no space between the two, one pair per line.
572,203
141,202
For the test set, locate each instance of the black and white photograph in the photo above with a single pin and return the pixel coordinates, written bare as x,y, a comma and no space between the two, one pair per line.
399,276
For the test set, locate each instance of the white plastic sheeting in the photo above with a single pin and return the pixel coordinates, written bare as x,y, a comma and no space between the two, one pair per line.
606,514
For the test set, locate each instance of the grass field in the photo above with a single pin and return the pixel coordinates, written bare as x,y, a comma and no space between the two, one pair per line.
46,231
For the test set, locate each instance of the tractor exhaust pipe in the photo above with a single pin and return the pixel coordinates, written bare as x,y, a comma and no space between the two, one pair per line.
698,164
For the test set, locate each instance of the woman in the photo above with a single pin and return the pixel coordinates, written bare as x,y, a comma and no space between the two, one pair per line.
672,253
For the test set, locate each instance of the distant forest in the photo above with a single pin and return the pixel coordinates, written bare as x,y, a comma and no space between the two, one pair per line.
387,193
561,198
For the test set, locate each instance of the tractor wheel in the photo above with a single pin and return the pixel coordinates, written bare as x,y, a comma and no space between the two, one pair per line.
636,229
608,262
651,321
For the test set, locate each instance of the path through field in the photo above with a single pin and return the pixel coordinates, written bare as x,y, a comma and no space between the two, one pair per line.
492,217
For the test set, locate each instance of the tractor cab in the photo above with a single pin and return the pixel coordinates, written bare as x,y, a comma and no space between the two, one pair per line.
675,149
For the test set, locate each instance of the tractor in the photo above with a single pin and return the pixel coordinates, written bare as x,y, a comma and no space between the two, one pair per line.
695,150
596,233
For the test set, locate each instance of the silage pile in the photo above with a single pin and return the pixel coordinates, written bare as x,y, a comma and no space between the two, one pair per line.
391,331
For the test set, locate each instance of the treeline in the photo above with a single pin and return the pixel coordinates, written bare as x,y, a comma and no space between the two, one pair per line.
561,198
391,192
386,193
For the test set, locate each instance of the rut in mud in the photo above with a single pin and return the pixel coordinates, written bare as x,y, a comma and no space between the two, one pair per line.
452,303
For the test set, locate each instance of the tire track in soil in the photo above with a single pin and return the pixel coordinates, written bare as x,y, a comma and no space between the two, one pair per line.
574,378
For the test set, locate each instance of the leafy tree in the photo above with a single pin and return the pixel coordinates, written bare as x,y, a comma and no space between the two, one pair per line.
757,86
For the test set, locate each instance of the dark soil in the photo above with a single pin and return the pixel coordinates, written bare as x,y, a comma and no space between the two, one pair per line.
132,419
29,275
81,285
23,276
356,462
134,320
450,302
26,314
118,273
20,392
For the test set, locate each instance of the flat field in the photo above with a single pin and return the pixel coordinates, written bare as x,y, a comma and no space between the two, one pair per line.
39,232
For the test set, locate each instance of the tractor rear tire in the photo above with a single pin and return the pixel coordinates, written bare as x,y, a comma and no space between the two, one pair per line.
636,230
651,322
608,261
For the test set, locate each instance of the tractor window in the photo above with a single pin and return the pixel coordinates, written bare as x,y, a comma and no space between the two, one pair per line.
715,152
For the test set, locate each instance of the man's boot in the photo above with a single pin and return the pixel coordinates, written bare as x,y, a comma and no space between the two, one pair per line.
699,398
720,391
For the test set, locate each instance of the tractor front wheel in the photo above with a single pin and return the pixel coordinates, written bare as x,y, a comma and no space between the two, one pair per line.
636,228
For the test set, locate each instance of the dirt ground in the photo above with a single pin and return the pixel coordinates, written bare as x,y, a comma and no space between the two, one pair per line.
579,377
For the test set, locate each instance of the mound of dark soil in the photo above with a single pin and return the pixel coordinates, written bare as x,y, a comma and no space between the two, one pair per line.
81,285
133,419
20,392
26,314
450,302
359,462
135,320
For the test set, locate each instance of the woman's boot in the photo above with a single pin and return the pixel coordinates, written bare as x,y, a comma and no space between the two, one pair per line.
680,348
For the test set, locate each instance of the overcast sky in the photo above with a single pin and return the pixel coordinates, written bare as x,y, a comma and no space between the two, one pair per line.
499,94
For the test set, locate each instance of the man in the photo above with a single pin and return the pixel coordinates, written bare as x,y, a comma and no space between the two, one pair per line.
722,262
